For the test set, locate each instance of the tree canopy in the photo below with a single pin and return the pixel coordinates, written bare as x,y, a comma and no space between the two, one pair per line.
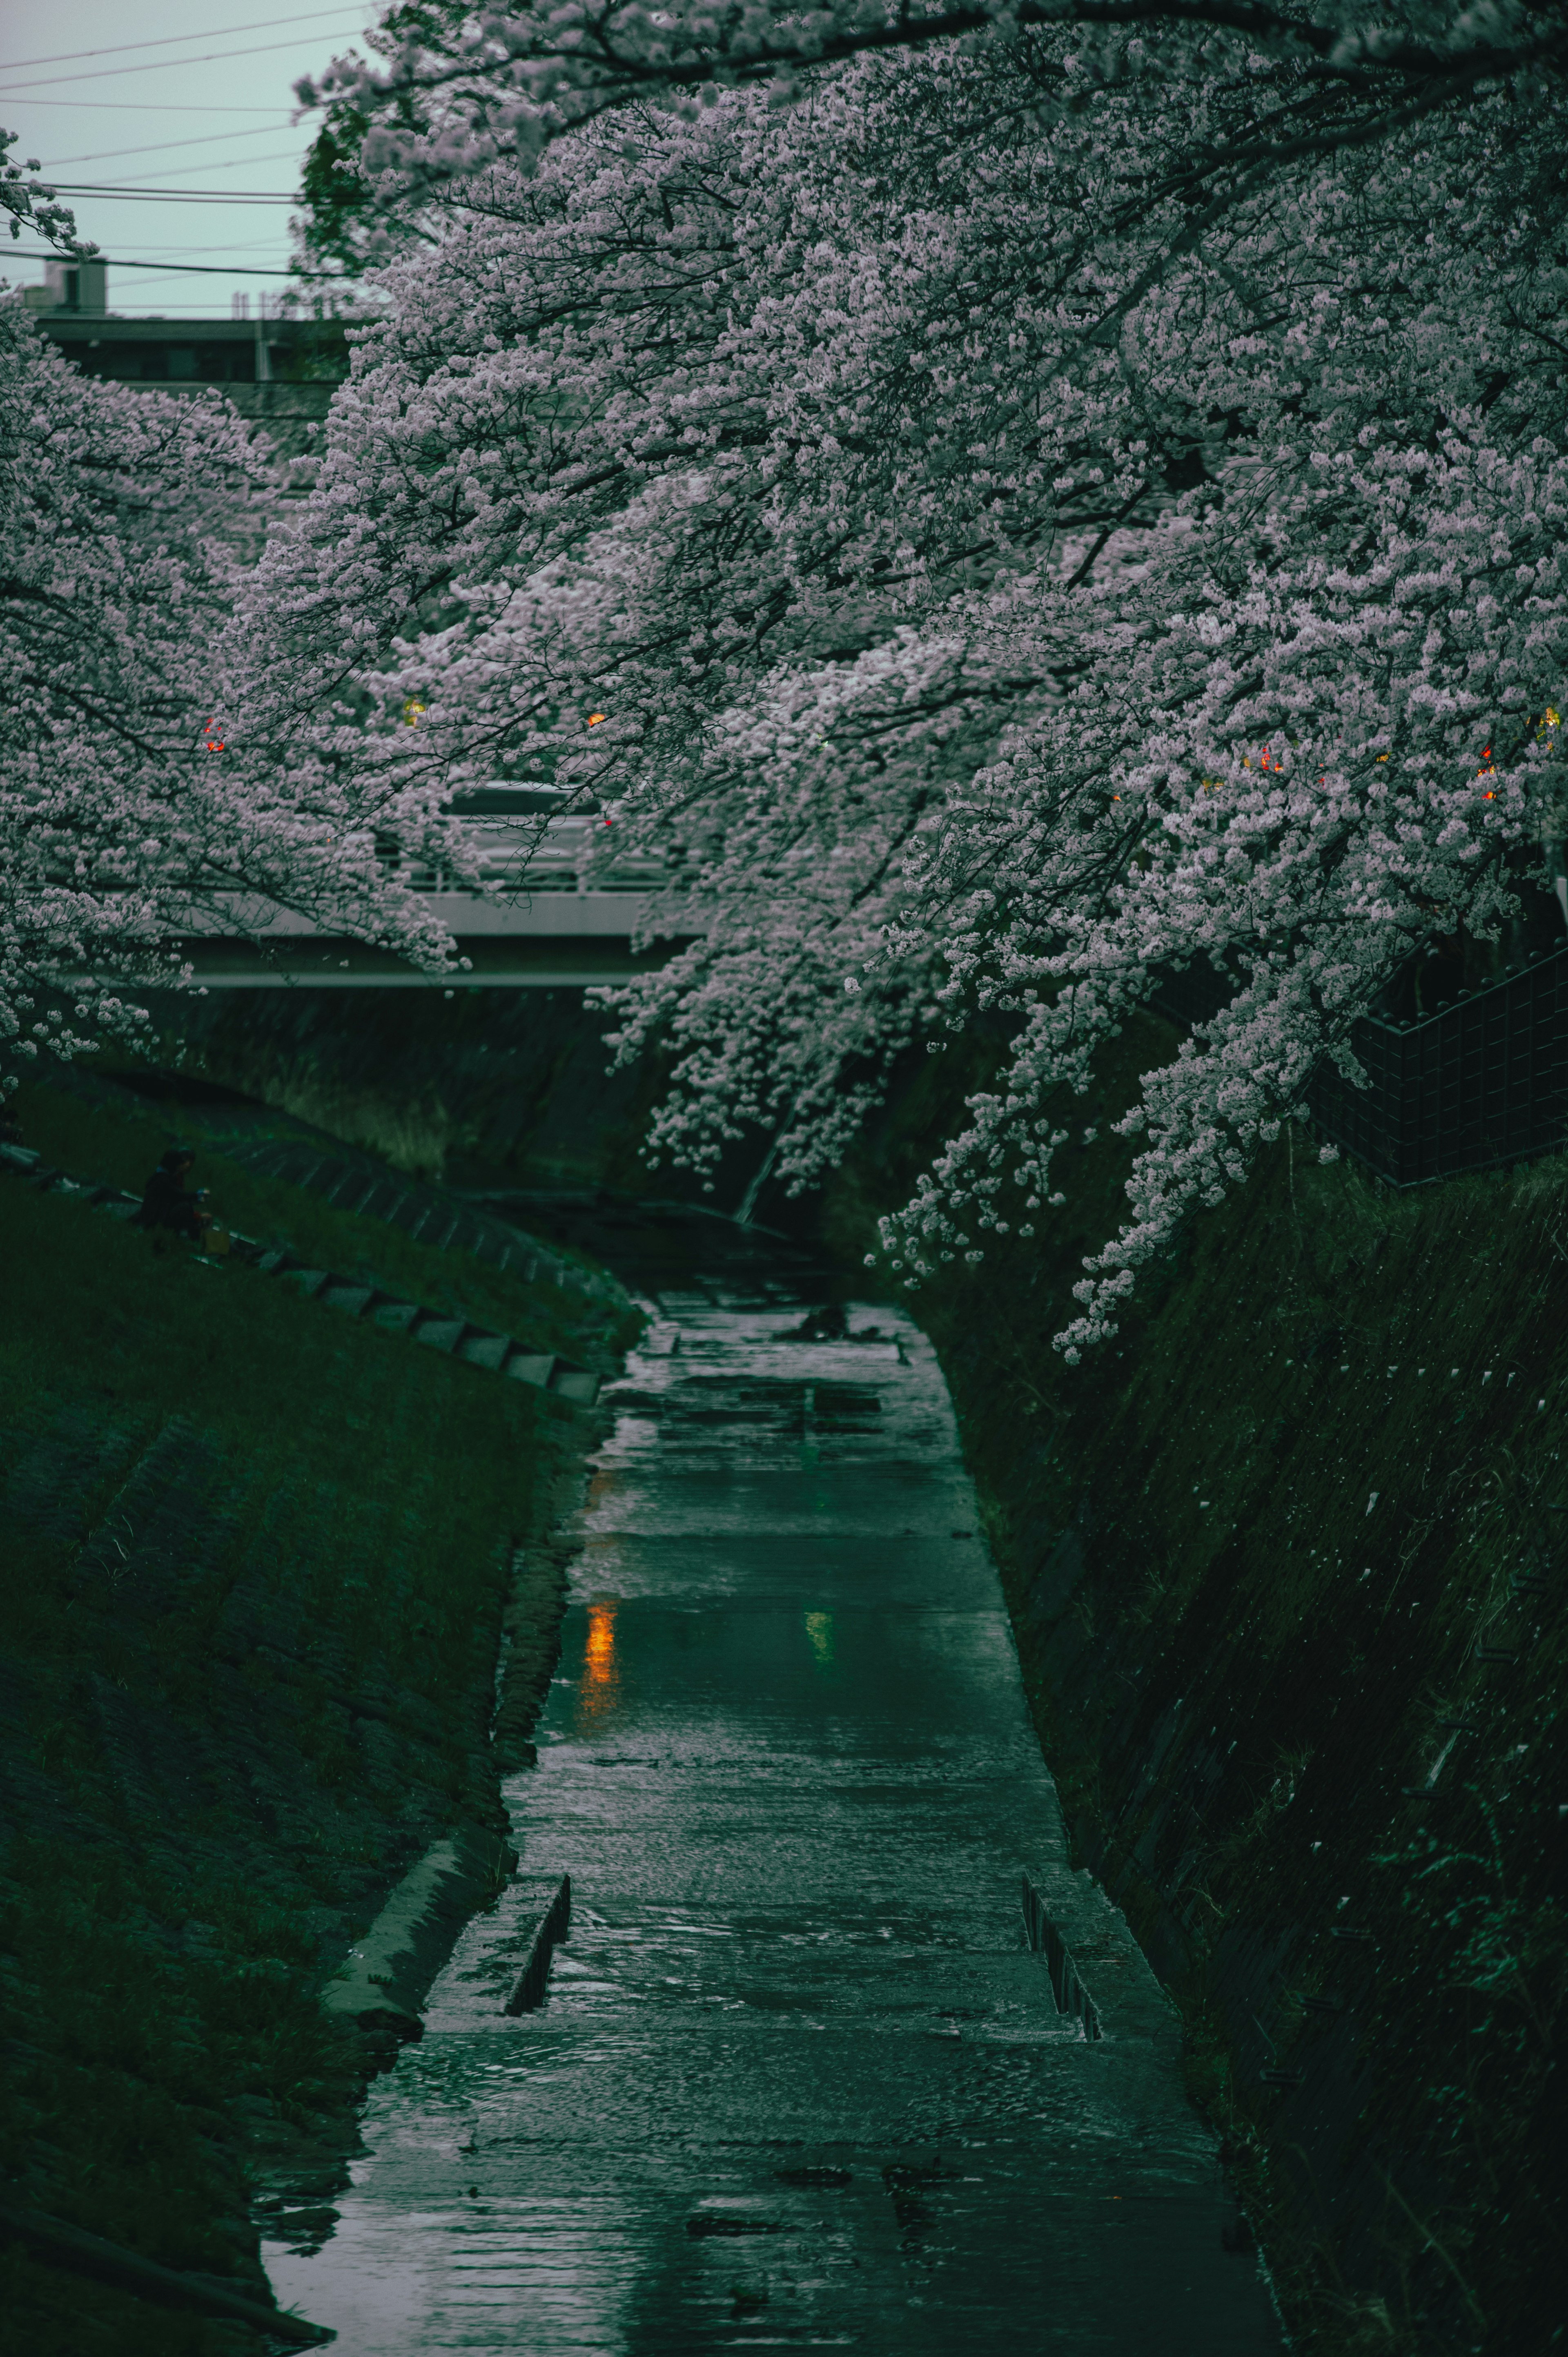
128,818
448,85
1006,502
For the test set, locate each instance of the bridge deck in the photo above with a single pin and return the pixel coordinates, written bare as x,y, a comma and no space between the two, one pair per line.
550,938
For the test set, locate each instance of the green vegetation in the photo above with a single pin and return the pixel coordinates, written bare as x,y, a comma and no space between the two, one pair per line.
258,1558
121,1149
1287,1562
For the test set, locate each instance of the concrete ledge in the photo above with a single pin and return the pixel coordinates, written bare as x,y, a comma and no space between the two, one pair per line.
551,914
1098,1970
1046,1939
546,1918
387,1975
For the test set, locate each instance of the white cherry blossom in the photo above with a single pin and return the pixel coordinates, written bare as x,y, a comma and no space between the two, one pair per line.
1001,514
129,816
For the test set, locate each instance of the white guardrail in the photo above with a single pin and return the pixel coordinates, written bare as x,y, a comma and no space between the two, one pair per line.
523,856
531,885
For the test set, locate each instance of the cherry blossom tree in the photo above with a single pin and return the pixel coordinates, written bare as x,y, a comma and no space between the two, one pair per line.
32,203
1006,504
126,819
447,85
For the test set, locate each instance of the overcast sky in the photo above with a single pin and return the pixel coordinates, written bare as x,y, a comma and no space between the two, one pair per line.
208,109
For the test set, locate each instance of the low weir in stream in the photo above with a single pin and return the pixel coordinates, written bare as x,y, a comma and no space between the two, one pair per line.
800,2077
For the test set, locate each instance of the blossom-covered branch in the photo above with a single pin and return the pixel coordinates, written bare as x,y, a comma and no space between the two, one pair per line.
993,548
33,203
448,89
129,815
514,73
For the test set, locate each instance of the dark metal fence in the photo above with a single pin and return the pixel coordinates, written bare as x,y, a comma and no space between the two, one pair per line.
1482,1082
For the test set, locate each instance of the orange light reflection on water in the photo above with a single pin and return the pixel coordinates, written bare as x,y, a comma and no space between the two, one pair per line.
599,1689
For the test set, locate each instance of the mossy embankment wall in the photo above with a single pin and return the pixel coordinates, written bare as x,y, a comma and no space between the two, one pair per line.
484,1084
1286,1562
257,1563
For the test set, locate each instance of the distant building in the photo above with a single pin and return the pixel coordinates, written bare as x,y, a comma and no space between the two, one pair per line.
70,287
281,371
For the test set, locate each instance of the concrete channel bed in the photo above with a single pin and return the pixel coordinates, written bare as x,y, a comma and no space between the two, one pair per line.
837,2052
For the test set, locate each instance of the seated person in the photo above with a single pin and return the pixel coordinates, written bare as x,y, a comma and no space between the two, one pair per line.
166,1204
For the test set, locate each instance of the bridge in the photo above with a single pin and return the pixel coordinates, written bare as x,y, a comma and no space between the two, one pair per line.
534,925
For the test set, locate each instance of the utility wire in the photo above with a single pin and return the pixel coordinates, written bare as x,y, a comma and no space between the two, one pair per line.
169,147
157,65
202,269
149,105
172,147
178,196
169,41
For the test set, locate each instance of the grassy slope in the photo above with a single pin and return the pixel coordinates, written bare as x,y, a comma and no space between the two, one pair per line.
122,1148
257,1568
1239,1662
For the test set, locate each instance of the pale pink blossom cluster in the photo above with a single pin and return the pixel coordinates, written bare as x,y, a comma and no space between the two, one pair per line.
31,203
129,818
1062,495
991,548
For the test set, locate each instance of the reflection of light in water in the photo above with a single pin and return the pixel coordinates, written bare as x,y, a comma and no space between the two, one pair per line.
819,1630
599,1689
599,1659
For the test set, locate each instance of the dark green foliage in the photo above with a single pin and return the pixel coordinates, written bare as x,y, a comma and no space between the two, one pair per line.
121,1148
343,219
1260,1551
256,1563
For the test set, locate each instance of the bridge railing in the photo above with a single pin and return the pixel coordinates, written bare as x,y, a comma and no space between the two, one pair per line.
514,856
1482,1082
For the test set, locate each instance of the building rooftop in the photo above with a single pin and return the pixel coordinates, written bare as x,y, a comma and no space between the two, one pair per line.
279,369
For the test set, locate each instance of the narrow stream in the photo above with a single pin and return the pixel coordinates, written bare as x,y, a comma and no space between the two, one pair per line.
799,2080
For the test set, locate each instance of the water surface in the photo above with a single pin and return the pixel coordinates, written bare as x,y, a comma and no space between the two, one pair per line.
799,2081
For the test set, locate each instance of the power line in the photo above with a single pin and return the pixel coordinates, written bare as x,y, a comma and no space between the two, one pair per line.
176,256
216,164
194,252
157,65
202,269
142,188
148,106
180,253
173,147
69,56
177,196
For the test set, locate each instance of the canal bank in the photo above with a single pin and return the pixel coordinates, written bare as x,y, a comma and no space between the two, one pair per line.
259,1550
799,2078
1286,1568
1286,1562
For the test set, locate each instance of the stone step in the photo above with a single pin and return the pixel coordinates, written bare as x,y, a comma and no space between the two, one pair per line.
477,1346
440,1333
354,1298
348,1191
309,1281
397,1317
486,1351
